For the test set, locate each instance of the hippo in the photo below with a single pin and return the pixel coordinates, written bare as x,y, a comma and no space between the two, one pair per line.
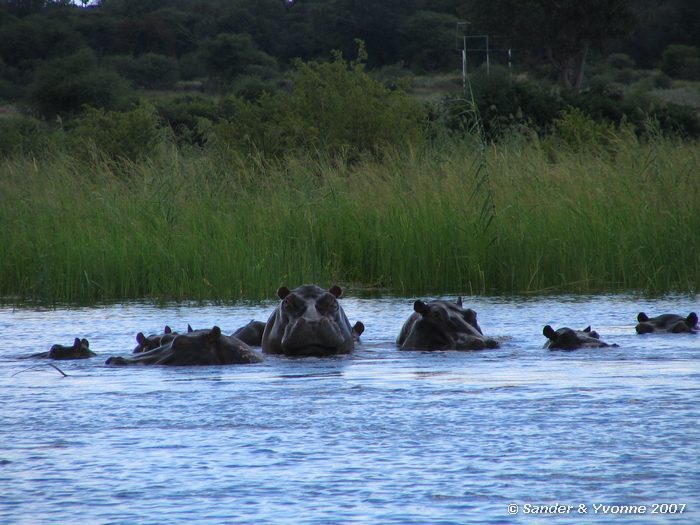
569,339
443,325
308,321
667,323
199,347
152,341
357,330
79,350
251,334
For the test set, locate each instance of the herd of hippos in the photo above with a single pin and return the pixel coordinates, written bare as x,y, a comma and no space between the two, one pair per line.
309,321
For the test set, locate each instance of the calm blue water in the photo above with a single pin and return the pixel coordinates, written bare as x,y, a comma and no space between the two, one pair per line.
381,436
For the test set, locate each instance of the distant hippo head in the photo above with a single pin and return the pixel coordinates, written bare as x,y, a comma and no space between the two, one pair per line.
79,350
146,343
568,339
443,325
251,334
308,321
666,323
199,347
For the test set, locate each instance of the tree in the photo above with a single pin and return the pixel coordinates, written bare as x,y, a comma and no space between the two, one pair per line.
566,30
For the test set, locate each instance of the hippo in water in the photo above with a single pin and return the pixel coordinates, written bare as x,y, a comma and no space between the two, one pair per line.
251,334
199,347
79,350
568,339
443,325
309,321
667,323
146,343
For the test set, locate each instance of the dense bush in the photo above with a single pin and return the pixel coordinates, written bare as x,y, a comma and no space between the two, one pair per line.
149,71
63,85
130,135
681,61
502,103
21,135
186,116
334,107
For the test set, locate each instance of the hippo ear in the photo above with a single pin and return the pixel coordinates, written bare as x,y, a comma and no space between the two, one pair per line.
283,292
692,319
420,307
549,332
189,328
167,330
336,290
358,328
140,338
587,329
459,301
76,343
215,333
84,342
642,317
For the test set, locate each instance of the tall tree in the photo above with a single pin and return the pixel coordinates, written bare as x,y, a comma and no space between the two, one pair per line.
566,30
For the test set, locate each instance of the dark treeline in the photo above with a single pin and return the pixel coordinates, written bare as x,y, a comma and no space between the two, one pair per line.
57,57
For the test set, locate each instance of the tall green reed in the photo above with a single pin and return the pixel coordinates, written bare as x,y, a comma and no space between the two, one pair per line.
458,216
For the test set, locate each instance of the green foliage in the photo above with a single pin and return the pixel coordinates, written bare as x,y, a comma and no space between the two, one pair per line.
21,135
580,132
426,35
130,135
63,85
681,61
503,103
228,55
150,71
334,107
187,116
192,226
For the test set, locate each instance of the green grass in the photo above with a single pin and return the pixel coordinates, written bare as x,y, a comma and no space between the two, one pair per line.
455,217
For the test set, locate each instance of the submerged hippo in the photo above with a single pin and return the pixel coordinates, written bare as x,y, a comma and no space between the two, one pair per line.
146,343
251,334
443,325
667,323
568,339
309,321
357,330
199,347
79,350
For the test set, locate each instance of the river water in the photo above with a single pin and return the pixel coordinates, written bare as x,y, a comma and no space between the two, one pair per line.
381,436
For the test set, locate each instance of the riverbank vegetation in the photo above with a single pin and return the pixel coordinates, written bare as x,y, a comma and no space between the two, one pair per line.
455,215
119,181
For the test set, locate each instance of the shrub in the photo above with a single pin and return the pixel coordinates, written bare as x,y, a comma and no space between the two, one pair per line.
130,135
680,60
150,71
21,135
502,103
334,107
581,132
63,85
185,115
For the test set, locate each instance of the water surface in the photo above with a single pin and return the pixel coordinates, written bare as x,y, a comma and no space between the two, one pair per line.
381,436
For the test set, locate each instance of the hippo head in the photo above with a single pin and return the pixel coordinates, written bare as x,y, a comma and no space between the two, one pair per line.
668,323
568,339
79,350
197,347
146,343
309,321
438,325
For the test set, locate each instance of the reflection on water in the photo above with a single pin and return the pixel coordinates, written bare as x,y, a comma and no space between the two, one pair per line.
380,436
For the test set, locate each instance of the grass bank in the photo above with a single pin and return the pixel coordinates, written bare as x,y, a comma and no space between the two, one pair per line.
520,217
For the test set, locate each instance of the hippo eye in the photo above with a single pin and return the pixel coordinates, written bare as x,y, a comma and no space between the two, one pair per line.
327,304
